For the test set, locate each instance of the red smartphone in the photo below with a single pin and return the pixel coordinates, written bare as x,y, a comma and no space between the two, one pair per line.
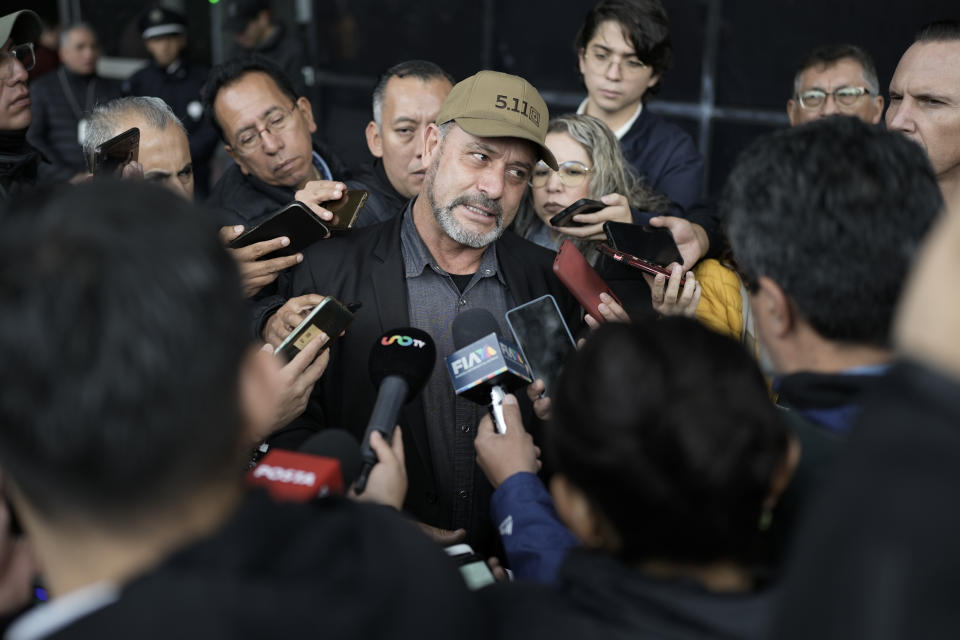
651,244
581,279
634,261
583,205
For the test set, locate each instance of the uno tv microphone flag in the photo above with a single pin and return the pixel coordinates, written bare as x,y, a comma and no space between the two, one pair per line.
401,361
484,367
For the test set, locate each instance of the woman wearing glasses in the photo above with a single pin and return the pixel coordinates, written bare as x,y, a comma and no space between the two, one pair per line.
623,51
592,166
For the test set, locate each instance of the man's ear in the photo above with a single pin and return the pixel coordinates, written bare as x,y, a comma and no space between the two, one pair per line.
307,110
577,513
431,144
237,159
878,104
259,393
773,304
792,111
654,79
784,471
374,141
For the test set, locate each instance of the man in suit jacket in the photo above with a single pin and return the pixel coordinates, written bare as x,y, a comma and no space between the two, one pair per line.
446,252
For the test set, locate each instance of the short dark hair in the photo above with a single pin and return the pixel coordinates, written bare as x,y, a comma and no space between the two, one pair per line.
422,69
668,429
231,71
833,212
938,31
832,53
120,346
645,25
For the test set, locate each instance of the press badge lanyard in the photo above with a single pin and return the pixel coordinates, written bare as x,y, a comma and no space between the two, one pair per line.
74,105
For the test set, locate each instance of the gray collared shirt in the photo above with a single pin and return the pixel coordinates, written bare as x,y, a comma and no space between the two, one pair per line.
451,421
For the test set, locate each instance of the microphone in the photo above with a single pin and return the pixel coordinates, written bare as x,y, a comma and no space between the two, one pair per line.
340,445
484,367
401,361
325,464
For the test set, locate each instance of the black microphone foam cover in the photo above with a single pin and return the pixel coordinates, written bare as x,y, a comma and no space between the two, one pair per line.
337,444
471,325
405,352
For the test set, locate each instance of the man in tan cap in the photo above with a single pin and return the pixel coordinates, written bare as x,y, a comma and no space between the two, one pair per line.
447,252
18,161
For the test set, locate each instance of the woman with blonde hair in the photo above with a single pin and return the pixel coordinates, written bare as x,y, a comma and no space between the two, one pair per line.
593,166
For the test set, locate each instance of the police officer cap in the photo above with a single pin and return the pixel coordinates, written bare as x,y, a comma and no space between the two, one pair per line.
160,21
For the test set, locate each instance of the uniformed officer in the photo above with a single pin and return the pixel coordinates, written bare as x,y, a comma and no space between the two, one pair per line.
170,77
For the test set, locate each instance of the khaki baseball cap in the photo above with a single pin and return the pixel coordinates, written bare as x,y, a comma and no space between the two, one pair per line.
491,104
21,26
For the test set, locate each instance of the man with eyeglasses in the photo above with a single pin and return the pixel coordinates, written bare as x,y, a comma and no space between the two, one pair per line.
925,101
835,79
624,51
18,160
267,130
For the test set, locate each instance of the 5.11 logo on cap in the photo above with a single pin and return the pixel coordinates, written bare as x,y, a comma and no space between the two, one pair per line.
504,103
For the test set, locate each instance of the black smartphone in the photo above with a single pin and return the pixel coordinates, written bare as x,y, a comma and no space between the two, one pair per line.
346,209
583,205
543,337
295,221
110,157
330,316
652,244
474,569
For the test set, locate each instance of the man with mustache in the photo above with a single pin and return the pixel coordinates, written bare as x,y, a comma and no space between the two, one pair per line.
446,252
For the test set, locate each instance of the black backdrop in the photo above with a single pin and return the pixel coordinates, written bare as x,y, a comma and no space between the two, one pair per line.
732,73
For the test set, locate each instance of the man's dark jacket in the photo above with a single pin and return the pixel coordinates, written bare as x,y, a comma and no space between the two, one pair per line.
877,556
247,200
666,157
18,165
53,130
367,266
383,201
599,598
333,569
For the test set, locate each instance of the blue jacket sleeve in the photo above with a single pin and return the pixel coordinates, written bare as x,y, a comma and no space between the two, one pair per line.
534,539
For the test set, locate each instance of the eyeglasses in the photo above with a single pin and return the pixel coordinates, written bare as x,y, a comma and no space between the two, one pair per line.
845,96
251,139
572,174
23,53
599,61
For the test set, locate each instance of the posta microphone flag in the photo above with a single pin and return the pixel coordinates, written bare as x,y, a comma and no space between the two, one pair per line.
296,477
401,362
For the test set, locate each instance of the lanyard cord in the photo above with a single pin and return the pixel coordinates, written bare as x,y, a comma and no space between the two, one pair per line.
72,99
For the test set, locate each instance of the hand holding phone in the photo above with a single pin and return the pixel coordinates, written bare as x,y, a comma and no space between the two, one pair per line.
345,209
581,279
544,339
295,221
650,244
584,205
473,568
110,158
330,317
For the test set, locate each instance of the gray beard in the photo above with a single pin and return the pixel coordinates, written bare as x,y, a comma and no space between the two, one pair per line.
452,227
